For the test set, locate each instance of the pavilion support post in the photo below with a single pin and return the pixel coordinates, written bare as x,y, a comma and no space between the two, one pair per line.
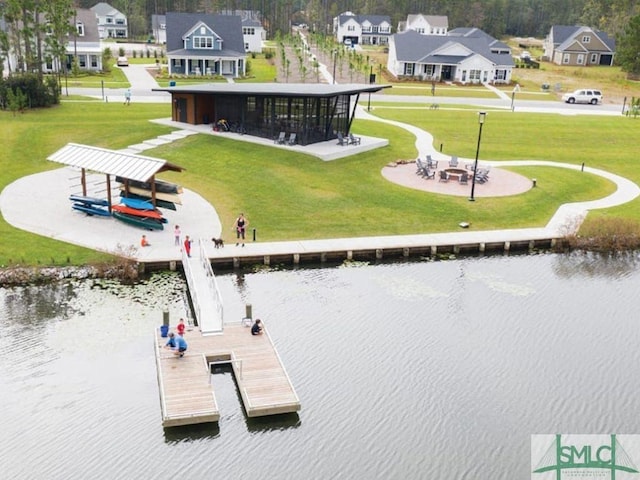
109,191
83,180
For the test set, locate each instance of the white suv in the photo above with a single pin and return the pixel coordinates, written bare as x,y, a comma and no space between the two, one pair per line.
583,96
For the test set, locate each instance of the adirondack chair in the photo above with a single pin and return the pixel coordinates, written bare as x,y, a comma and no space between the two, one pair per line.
453,163
292,139
354,140
464,179
431,163
341,140
444,176
280,139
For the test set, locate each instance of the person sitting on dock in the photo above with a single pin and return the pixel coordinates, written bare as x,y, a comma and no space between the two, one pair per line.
256,328
181,346
171,343
144,242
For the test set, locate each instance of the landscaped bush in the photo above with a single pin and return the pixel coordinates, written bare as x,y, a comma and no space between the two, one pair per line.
19,92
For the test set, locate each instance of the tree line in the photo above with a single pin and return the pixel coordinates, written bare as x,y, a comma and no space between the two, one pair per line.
497,17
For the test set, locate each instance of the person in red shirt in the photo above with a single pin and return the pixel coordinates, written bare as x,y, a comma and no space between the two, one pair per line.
187,246
181,327
144,242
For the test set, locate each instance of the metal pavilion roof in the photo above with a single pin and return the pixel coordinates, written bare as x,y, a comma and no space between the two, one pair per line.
102,160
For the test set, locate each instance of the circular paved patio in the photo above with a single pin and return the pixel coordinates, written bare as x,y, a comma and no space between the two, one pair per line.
501,182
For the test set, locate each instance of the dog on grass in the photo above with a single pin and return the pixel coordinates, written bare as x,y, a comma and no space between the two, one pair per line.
218,242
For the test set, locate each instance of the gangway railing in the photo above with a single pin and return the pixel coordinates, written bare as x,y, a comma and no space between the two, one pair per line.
204,291
212,282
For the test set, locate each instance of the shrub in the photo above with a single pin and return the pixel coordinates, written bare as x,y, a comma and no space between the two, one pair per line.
607,234
121,51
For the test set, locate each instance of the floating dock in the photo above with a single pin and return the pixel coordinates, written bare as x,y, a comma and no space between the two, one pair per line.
186,392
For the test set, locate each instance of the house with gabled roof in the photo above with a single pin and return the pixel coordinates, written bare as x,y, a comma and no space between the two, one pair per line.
579,46
362,29
205,44
112,23
425,24
253,32
464,55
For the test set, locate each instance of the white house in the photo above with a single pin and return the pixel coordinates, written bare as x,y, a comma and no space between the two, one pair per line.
362,29
465,55
425,24
111,22
253,32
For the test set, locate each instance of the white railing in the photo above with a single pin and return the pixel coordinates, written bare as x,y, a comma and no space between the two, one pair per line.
186,265
212,282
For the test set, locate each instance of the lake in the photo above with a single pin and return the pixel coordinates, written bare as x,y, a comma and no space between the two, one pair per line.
409,370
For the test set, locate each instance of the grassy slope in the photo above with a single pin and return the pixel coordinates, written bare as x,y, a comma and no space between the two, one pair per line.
288,195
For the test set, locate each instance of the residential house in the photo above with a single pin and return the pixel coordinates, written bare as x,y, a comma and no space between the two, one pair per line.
464,55
579,46
83,45
425,24
111,22
253,32
205,44
362,29
159,28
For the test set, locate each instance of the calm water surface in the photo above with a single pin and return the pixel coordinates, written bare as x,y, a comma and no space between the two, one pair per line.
405,371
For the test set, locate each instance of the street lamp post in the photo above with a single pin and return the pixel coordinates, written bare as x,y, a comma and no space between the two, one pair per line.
335,56
481,117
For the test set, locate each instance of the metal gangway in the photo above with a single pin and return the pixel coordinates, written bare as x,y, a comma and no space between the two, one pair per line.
203,289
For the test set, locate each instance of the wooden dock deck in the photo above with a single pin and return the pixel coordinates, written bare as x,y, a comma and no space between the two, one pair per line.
186,393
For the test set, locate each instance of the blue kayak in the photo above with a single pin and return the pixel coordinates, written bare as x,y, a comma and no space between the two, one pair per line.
89,200
91,209
137,203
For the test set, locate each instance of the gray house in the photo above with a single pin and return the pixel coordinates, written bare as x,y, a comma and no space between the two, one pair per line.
112,23
464,55
579,46
203,44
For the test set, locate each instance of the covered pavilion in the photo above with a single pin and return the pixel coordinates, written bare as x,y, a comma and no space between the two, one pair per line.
128,166
314,112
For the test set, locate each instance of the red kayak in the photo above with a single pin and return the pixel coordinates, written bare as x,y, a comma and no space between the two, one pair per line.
138,213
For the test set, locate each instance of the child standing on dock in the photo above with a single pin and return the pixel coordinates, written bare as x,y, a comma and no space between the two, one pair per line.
256,329
181,327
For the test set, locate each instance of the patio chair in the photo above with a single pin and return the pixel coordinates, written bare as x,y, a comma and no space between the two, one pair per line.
341,140
464,178
354,140
431,163
429,174
453,163
444,176
292,139
482,177
280,139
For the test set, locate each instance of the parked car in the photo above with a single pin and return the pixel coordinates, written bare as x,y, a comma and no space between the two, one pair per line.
525,55
123,62
583,96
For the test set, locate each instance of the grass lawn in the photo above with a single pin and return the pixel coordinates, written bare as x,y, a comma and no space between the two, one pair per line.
424,89
114,79
288,195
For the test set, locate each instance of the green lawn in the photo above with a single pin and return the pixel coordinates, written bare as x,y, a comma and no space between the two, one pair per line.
288,195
